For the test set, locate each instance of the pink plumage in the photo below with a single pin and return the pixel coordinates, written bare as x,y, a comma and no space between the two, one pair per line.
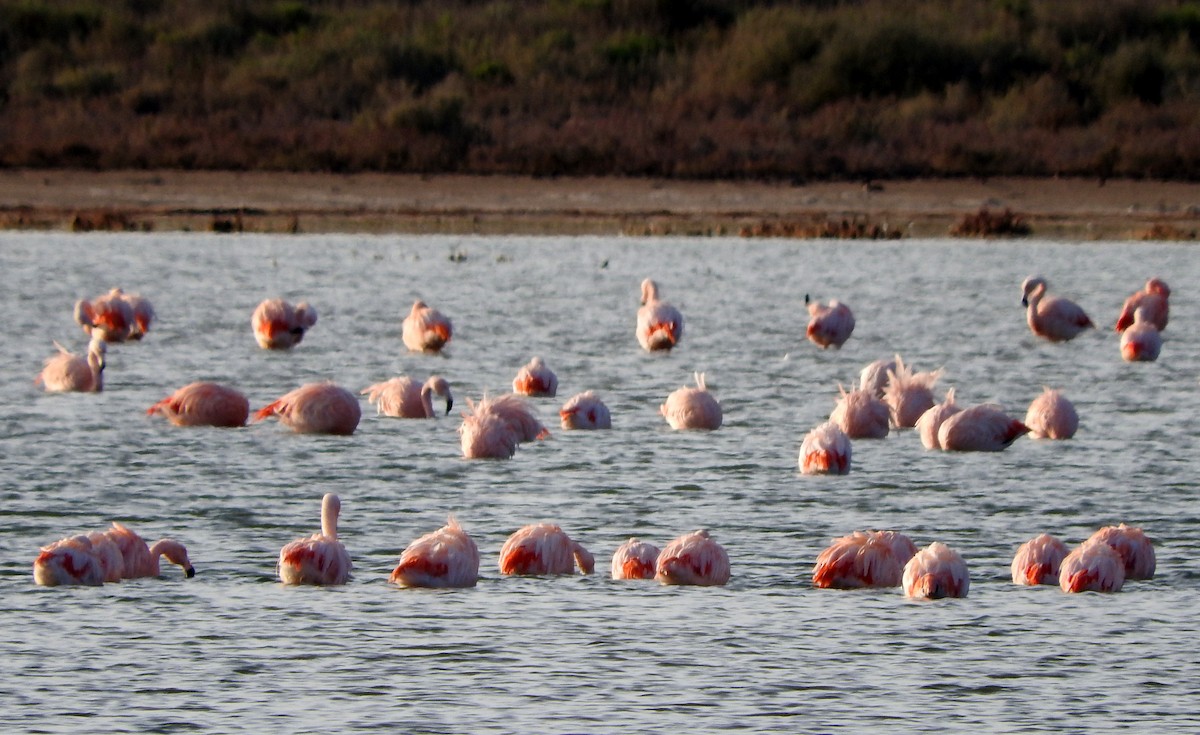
1038,560
692,408
829,326
140,559
316,408
541,549
1134,548
874,377
67,372
425,329
278,325
860,559
68,561
931,421
634,559
935,572
403,397
1152,300
204,404
825,451
909,394
113,318
535,379
1056,319
659,324
1093,566
1052,416
585,411
484,434
1141,342
320,559
693,559
447,557
983,428
861,415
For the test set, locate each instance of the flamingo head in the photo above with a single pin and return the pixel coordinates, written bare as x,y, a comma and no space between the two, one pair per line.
1031,285
649,291
1158,286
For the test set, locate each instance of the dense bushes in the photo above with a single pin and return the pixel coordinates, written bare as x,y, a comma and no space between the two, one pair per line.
684,88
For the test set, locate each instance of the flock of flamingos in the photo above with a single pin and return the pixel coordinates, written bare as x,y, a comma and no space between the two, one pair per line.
890,395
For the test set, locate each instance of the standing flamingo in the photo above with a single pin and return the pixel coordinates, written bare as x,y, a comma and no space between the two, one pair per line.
935,572
1153,298
204,404
874,377
931,421
140,559
984,428
1141,342
825,451
634,559
585,411
319,559
693,559
861,559
315,408
1038,560
659,324
1093,566
68,561
861,415
543,548
112,317
68,372
692,408
280,326
535,379
829,326
1051,416
405,398
909,394
446,557
1051,317
1135,550
426,329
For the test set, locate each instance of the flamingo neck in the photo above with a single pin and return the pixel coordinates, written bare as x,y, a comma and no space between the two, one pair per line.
330,507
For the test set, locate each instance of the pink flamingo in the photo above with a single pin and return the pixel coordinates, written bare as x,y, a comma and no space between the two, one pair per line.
111,317
319,559
1093,566
935,572
535,379
659,324
693,559
1051,416
405,398
909,394
1153,299
68,372
692,408
829,326
204,404
112,560
143,314
140,559
861,415
543,548
861,559
902,546
425,329
1141,342
519,415
1131,544
874,377
984,428
634,559
315,408
280,326
68,561
585,411
484,434
1053,318
1038,560
825,451
931,421
446,557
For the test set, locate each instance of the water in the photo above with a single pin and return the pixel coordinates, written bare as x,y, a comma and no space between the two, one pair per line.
232,649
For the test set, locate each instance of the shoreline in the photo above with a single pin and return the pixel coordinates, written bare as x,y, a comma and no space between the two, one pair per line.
1074,209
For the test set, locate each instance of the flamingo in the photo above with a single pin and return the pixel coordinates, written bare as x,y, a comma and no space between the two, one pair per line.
280,326
425,329
1141,342
825,451
1153,298
315,408
1038,560
204,404
692,408
1093,566
115,316
902,546
861,415
931,421
829,326
68,561
543,548
535,379
143,314
484,434
634,559
1056,319
405,398
112,561
319,559
983,428
874,377
519,415
659,324
68,372
1135,550
585,411
1051,416
446,557
693,559
935,572
140,559
909,394
861,559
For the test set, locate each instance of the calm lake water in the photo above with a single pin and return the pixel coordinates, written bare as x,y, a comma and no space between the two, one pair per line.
234,650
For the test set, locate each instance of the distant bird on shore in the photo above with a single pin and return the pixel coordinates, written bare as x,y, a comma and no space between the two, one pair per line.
116,316
659,324
1051,416
1141,342
693,559
543,549
68,372
1054,318
320,559
1037,561
204,404
535,379
634,559
447,557
425,329
1153,299
315,408
692,408
825,451
403,397
829,326
585,411
280,326
935,572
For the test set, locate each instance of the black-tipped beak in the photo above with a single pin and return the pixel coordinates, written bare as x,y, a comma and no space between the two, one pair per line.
1024,301
449,405
297,331
190,572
